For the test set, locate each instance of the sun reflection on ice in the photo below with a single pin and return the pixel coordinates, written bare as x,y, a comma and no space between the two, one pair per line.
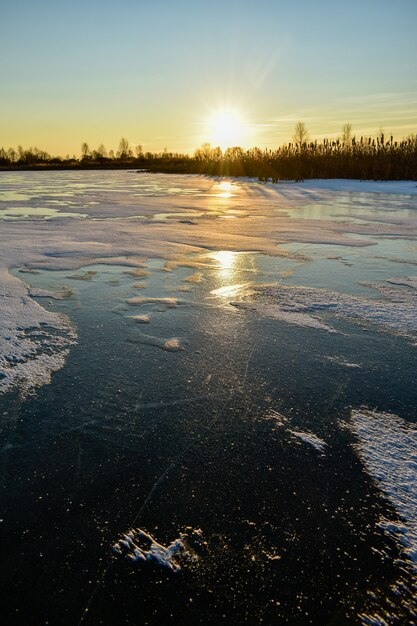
229,266
227,189
226,261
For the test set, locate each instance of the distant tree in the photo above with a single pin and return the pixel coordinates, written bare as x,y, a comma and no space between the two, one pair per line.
124,151
216,153
111,154
85,150
101,151
139,151
347,134
233,153
204,152
3,156
300,133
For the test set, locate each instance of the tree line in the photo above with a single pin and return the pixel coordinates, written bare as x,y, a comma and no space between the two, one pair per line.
348,156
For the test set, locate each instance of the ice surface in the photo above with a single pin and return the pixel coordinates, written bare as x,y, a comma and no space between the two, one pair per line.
269,217
341,361
387,446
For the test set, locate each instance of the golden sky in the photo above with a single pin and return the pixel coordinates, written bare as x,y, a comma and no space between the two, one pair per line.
158,73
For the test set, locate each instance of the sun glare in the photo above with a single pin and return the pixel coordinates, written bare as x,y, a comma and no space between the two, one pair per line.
226,128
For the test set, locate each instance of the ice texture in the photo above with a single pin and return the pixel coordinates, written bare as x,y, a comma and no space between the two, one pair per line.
387,446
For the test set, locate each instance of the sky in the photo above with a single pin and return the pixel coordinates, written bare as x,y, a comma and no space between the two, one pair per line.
156,71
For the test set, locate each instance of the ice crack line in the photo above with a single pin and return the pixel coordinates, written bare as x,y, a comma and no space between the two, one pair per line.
159,480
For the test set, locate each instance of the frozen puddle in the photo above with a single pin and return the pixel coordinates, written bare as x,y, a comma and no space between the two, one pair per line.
306,306
33,341
138,545
387,446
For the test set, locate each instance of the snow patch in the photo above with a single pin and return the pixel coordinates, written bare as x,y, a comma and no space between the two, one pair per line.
169,302
310,438
140,546
140,319
387,446
172,344
34,342
306,306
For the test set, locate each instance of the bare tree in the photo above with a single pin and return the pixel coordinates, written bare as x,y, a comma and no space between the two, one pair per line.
124,150
85,150
203,152
101,151
300,133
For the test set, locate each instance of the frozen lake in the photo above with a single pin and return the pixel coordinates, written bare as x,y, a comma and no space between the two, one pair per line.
208,397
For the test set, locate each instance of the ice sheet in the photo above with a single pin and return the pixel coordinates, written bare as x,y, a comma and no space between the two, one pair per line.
268,220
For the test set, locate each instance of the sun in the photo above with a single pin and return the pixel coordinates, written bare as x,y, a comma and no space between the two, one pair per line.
226,128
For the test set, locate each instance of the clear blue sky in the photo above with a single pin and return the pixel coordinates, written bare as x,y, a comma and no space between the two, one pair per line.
154,71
